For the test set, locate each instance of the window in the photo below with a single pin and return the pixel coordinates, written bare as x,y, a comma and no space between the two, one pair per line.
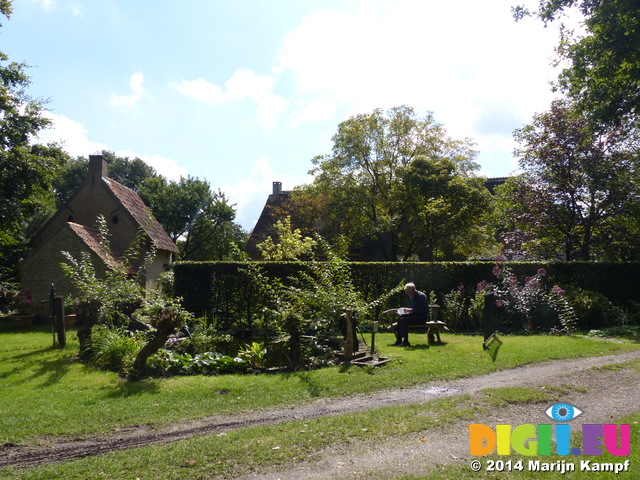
114,219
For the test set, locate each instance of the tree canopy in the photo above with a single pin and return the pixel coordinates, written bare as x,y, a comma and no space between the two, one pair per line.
198,219
26,170
390,176
577,198
603,72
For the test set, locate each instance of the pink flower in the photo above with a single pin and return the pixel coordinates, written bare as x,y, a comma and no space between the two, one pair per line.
558,291
531,282
499,303
501,258
542,272
481,287
497,270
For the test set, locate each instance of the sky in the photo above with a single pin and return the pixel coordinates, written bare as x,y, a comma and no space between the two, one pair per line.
243,93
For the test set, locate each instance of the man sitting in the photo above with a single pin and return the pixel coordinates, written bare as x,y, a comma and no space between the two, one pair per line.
416,314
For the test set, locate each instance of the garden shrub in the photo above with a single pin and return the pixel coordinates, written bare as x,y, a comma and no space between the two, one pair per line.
530,304
462,308
205,338
594,310
166,363
115,348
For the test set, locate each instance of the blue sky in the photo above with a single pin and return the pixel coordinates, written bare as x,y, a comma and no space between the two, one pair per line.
246,92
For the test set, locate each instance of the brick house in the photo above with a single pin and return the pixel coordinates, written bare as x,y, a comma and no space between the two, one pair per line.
73,229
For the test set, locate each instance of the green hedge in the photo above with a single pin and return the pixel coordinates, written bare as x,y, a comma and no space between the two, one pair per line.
227,293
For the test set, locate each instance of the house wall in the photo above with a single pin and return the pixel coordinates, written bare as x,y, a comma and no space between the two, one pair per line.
94,199
42,268
160,264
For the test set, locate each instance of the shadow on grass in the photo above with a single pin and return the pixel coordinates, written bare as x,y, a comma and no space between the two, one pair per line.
126,389
313,388
51,369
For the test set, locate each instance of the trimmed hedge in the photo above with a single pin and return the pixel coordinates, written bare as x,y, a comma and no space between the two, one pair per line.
226,292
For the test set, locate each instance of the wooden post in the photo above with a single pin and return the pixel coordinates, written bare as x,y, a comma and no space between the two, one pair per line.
348,338
373,337
59,321
489,321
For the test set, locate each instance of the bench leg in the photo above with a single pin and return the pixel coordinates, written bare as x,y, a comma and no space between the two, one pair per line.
432,334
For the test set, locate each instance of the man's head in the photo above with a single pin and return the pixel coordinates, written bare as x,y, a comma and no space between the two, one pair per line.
410,290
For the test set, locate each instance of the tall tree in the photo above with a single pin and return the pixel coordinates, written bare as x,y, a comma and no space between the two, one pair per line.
603,72
190,212
578,183
447,214
372,159
26,170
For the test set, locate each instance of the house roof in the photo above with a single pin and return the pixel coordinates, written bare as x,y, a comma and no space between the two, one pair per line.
91,239
265,225
142,215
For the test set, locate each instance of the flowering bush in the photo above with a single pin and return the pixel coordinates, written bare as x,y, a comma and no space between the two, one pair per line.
21,302
529,303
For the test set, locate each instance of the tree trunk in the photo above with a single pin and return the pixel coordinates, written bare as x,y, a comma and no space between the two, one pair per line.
87,317
168,323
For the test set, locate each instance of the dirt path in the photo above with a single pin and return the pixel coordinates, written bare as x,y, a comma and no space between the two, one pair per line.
608,395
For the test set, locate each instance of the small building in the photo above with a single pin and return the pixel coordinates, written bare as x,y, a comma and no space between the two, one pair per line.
274,210
73,229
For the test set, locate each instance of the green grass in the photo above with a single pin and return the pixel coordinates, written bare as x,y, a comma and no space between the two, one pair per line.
47,392
217,456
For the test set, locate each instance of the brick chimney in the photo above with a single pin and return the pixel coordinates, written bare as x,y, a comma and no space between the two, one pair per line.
277,187
97,167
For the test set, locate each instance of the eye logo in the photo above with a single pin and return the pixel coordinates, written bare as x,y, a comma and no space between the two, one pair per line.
563,412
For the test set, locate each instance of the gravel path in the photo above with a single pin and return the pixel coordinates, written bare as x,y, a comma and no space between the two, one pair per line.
608,394
603,395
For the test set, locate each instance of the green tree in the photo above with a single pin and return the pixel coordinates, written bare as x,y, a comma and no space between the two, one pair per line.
191,213
578,194
363,181
130,172
447,214
603,72
26,170
290,244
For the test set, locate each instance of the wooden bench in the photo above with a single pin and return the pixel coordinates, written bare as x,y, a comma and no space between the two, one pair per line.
434,326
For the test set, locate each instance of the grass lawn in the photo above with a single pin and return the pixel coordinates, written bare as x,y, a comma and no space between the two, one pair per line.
47,392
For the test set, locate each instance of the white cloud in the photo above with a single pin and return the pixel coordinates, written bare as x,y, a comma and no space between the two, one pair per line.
322,109
454,58
47,4
201,90
71,134
76,10
129,101
244,84
73,137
